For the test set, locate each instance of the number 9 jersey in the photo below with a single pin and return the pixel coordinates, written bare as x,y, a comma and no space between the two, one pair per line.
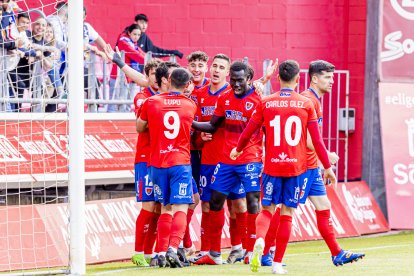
285,116
169,116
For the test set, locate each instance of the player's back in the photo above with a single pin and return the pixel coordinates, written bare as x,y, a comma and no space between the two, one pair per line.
285,115
212,150
169,121
311,95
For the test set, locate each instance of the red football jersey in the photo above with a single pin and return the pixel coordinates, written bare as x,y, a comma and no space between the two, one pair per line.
311,95
143,145
285,115
237,112
194,94
169,116
205,110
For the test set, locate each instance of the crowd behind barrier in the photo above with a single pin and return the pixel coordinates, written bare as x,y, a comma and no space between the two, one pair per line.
34,73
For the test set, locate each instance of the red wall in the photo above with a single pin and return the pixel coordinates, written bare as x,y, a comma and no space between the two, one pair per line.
304,30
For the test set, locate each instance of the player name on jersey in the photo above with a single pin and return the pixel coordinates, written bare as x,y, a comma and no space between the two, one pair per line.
297,104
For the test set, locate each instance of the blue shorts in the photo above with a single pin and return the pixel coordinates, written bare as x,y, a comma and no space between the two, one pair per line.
194,185
312,185
285,190
230,178
143,186
206,174
172,185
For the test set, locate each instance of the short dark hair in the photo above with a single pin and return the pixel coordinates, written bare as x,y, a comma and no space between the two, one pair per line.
288,70
153,63
240,65
141,16
23,15
131,28
197,55
162,70
180,77
61,5
222,56
316,67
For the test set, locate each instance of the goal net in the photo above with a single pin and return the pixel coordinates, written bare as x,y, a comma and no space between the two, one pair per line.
35,142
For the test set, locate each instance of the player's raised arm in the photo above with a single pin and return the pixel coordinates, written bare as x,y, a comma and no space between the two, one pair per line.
321,151
209,127
136,76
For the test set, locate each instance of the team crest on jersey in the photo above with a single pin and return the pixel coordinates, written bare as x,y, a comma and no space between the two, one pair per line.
250,167
157,190
182,190
148,190
249,105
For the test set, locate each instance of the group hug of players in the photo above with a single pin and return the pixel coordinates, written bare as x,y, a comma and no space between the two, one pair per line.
182,115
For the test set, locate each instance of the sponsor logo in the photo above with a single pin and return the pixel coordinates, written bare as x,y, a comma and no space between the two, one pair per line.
401,9
235,115
139,102
202,100
360,206
250,167
227,102
285,94
283,158
254,183
249,105
396,49
207,110
169,149
182,190
269,188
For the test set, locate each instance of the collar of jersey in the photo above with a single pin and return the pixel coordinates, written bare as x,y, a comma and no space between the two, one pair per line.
314,93
247,94
218,91
174,93
199,86
152,92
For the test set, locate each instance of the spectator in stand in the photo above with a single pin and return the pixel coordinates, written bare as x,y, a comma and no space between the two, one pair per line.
58,22
145,42
10,41
48,44
90,39
134,56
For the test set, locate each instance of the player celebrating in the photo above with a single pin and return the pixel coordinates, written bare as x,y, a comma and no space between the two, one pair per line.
168,117
286,116
234,109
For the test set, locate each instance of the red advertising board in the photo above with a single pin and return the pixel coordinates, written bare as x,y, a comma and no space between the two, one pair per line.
397,40
397,126
361,207
34,151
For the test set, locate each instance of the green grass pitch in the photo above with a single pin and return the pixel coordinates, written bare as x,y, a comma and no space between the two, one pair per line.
385,255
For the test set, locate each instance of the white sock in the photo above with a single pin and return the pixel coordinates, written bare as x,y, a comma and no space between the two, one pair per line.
161,253
141,252
236,247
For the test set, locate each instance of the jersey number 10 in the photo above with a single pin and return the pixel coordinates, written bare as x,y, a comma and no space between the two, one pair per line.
275,123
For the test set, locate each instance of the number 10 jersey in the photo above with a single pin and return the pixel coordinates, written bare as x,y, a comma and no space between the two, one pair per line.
169,116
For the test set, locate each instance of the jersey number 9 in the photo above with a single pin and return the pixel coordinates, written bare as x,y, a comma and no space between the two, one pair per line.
174,127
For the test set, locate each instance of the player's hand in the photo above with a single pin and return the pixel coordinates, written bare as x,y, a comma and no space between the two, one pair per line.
109,52
258,87
333,157
189,89
206,136
234,154
271,69
329,177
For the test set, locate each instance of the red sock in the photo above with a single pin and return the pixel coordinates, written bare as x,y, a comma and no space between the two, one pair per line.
327,231
251,231
235,237
179,224
241,227
282,237
141,229
205,238
271,233
151,235
262,223
215,229
164,230
187,237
